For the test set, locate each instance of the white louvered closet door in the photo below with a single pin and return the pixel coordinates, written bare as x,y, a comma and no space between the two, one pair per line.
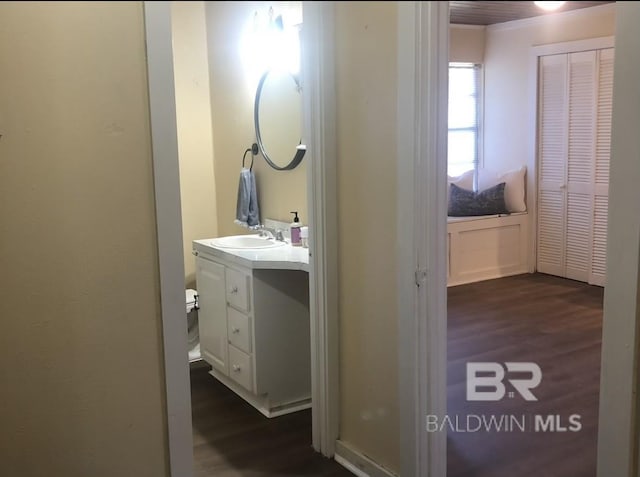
552,164
603,156
575,98
580,161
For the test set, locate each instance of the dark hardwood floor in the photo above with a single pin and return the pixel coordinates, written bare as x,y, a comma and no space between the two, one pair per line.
553,322
232,439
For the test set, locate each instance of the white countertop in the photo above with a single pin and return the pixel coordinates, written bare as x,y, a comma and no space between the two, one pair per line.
285,257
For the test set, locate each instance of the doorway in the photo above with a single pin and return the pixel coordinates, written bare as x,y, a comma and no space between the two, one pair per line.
425,352
528,321
167,188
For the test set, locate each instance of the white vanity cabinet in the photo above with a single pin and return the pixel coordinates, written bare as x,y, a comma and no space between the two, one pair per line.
212,321
254,332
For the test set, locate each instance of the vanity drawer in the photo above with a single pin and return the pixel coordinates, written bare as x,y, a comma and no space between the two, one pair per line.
240,368
238,294
238,329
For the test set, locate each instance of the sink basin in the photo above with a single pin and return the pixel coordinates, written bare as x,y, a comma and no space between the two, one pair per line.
245,241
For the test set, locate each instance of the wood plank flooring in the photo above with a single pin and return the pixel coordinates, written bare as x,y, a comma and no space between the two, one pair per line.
232,439
553,322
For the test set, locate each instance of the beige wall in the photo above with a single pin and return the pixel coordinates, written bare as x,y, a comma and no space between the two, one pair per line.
366,35
617,451
508,82
466,43
195,141
80,345
232,97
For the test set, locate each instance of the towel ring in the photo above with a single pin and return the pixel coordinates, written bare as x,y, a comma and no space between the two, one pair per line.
254,151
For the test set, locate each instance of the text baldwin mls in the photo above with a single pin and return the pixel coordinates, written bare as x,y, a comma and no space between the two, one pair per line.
504,423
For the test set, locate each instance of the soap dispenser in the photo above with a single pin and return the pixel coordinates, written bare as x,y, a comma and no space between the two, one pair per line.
295,230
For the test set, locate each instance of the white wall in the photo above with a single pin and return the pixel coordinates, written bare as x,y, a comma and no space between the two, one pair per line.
508,82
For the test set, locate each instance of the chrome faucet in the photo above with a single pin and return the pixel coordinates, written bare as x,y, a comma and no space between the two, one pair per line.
271,233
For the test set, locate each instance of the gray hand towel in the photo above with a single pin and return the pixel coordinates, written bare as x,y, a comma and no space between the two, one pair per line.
247,210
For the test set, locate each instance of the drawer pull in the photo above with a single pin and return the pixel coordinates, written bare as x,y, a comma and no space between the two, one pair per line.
235,330
236,368
234,290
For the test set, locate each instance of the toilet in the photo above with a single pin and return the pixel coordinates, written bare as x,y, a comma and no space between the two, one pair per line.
193,338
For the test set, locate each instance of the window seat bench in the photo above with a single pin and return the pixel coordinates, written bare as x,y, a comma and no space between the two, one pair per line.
486,247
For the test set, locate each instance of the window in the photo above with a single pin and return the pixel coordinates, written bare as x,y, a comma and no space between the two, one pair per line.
464,117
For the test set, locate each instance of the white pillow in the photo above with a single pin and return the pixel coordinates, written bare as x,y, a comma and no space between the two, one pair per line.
464,180
513,189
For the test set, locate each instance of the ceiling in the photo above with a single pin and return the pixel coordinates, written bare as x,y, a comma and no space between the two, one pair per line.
488,13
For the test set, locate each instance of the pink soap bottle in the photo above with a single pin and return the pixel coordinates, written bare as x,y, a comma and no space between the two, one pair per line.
296,241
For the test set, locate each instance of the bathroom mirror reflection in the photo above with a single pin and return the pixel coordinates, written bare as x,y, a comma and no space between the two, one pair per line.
278,120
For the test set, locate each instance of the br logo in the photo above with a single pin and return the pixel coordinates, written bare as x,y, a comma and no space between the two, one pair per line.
485,381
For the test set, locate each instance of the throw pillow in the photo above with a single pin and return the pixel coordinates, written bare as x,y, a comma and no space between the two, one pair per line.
514,189
464,180
463,202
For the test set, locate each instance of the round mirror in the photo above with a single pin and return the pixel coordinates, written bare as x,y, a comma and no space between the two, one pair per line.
278,120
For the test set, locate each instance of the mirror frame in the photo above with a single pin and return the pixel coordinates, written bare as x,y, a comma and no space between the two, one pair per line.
300,149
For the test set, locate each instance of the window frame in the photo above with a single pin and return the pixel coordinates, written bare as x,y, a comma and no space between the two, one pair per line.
479,127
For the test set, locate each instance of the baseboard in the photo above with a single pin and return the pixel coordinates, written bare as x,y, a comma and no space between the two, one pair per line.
193,365
262,402
489,275
359,464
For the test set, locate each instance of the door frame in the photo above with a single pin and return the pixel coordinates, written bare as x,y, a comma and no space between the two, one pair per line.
319,117
423,57
422,65
166,179
422,68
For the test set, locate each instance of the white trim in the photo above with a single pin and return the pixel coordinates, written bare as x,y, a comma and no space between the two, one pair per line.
598,43
320,138
548,18
358,463
349,466
532,163
169,231
423,33
260,402
481,121
463,26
